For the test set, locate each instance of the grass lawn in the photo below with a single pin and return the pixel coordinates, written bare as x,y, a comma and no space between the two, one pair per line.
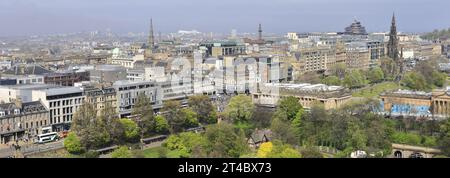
376,90
153,153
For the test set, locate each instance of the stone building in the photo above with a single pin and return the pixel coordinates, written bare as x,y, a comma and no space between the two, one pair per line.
100,97
435,104
330,96
406,103
22,120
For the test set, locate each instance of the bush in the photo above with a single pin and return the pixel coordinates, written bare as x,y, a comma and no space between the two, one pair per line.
131,129
406,138
72,144
161,124
122,152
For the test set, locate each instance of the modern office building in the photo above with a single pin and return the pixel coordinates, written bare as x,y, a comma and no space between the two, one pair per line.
62,103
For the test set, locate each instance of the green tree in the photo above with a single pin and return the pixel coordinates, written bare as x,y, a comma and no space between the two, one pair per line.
357,137
122,152
185,143
444,137
354,79
73,144
161,124
240,108
223,142
415,81
202,105
190,118
131,129
288,108
439,79
375,75
110,118
173,114
389,68
310,152
91,131
331,80
144,111
284,131
281,150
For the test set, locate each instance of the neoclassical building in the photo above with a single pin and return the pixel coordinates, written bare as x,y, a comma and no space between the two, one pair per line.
435,104
331,97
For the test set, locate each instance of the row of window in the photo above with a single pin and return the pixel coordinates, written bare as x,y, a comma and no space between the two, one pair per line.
13,124
66,102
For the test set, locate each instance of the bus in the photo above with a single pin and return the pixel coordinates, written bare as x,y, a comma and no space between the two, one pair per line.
48,137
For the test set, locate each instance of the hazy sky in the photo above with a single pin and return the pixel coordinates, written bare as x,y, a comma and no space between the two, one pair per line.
25,17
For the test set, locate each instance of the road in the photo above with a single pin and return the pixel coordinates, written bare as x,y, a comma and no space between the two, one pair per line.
31,149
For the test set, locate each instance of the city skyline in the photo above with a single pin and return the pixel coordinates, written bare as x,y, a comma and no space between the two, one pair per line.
31,17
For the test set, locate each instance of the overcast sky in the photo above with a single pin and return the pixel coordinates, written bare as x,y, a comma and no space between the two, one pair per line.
26,17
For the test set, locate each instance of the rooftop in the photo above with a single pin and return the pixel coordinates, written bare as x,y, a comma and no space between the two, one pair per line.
312,90
408,94
61,90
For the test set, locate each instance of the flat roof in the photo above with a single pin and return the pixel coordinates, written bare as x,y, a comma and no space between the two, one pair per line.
30,86
61,91
305,87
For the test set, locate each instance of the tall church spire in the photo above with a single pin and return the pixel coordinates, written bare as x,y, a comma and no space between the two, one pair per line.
151,37
260,32
392,46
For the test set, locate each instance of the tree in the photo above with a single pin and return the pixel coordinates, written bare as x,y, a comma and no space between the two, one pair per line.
444,137
122,152
264,149
281,150
277,149
144,111
331,80
357,138
240,108
223,142
354,79
308,77
185,143
389,68
375,75
73,144
378,131
284,131
173,114
161,124
131,129
288,108
438,78
202,105
91,131
110,118
310,152
190,118
415,81
339,70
